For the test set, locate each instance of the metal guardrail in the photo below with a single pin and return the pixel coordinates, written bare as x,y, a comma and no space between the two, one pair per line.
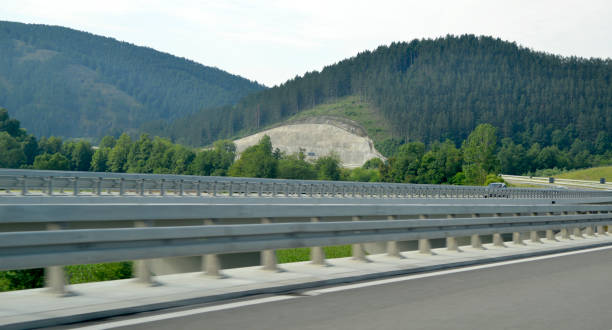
64,247
27,182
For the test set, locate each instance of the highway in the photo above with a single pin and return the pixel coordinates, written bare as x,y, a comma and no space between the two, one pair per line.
566,291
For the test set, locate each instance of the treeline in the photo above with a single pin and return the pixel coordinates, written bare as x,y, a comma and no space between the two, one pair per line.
64,82
473,162
154,155
433,90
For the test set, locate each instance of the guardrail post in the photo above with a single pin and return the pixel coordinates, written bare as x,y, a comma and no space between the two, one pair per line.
198,185
600,230
565,233
609,229
578,232
180,187
211,265
516,236
268,257
141,185
121,187
550,235
535,237
55,276
99,186
392,248
50,186
142,268
497,237
75,186
451,242
424,244
24,185
358,251
589,230
475,238
317,255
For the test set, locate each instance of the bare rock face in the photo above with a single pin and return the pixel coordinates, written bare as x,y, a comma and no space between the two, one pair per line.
319,139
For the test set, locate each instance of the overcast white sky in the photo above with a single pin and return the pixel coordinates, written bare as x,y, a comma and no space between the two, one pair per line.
272,41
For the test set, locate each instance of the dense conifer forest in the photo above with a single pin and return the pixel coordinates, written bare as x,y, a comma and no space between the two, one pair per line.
432,90
63,82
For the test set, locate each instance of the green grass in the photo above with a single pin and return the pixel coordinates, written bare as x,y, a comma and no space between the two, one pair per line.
593,174
351,107
303,254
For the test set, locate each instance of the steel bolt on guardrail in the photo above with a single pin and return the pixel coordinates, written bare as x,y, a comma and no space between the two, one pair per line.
28,182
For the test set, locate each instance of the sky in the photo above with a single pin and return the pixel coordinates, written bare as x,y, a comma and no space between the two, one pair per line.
271,41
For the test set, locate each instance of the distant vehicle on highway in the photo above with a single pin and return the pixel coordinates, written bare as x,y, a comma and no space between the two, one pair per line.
493,186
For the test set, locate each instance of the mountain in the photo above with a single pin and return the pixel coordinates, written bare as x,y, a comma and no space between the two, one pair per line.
430,90
63,82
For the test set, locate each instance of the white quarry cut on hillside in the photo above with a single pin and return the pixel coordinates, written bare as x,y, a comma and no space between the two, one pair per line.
319,139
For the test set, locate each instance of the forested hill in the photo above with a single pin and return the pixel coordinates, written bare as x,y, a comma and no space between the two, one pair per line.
431,90
63,82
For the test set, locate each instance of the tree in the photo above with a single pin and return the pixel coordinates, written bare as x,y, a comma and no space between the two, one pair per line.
405,165
296,167
99,160
81,156
10,125
328,167
479,154
118,157
57,161
256,161
11,154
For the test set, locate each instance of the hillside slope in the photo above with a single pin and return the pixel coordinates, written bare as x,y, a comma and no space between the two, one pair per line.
59,81
318,137
431,90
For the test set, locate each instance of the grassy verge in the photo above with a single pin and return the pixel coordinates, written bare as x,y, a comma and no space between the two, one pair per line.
34,278
303,254
593,174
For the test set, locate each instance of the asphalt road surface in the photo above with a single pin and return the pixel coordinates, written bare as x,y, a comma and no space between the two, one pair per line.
568,292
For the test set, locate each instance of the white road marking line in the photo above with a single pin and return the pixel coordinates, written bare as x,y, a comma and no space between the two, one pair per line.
444,272
202,310
209,309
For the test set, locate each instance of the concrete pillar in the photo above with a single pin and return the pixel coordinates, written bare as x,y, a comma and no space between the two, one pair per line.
609,229
55,276
317,255
476,242
565,233
498,240
535,237
578,232
424,244
516,236
358,251
475,239
589,231
55,280
392,248
497,237
600,230
211,264
143,268
517,239
268,257
550,235
451,244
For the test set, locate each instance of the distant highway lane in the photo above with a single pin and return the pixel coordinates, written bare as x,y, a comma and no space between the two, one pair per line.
572,291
